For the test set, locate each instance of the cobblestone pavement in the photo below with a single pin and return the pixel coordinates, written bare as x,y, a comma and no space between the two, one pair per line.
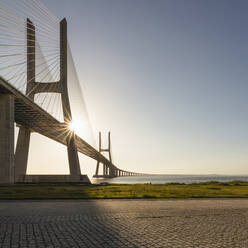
124,223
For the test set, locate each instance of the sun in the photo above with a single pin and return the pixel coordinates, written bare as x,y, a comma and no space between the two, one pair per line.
74,126
78,126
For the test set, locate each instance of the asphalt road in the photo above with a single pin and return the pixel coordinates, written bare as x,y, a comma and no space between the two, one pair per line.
124,223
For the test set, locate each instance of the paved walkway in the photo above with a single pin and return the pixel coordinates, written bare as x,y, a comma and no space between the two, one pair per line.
124,223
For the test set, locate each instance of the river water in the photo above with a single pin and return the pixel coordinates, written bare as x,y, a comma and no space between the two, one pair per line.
161,179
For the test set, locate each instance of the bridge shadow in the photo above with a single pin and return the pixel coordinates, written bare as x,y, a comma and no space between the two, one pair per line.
65,223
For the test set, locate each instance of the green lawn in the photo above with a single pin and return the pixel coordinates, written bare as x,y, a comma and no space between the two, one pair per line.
117,191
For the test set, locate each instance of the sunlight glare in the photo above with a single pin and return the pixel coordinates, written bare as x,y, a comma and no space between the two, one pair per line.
74,126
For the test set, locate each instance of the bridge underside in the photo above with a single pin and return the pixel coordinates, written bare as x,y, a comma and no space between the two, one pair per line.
29,115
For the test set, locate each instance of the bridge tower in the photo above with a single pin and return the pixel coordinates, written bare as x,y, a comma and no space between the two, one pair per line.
34,87
107,171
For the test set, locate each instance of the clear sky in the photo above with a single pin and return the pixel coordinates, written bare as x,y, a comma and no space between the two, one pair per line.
169,78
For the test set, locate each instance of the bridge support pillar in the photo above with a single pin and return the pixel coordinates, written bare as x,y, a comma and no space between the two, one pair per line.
73,159
22,150
109,170
97,168
112,172
104,170
7,165
71,142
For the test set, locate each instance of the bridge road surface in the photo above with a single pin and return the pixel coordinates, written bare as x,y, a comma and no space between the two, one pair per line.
124,223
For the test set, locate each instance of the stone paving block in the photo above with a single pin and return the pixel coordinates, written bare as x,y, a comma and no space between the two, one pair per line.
125,223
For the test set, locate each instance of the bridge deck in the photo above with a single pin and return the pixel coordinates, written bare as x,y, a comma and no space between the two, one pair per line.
29,114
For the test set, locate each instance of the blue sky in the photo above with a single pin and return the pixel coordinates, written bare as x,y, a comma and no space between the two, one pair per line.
167,77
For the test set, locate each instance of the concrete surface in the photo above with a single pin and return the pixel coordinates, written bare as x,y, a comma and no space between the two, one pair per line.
124,223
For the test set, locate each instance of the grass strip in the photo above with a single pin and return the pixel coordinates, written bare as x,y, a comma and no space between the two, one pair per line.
233,189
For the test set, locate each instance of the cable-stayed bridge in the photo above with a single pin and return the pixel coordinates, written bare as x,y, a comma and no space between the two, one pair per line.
40,92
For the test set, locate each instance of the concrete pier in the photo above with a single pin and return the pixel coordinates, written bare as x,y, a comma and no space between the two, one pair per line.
22,151
7,138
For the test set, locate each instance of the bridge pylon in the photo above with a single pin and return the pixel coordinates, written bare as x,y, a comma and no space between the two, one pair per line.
107,171
34,87
23,141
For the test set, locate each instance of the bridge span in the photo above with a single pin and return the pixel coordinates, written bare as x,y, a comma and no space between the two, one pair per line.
21,108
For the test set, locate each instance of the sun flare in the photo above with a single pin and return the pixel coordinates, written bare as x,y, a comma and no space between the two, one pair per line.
79,127
74,126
